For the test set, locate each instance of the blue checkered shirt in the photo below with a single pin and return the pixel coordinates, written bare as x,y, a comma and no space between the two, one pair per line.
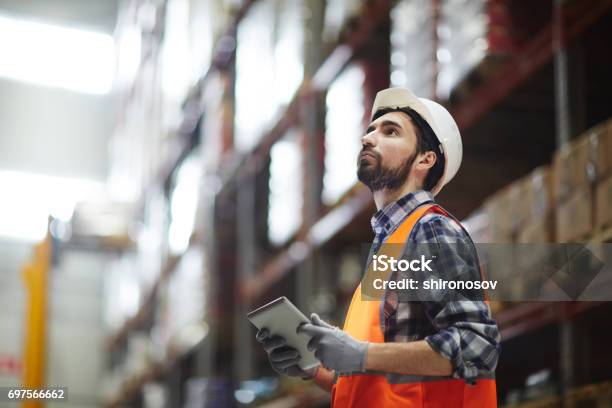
462,331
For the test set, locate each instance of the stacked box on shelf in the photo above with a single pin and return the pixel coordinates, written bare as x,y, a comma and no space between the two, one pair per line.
577,166
535,208
502,215
536,228
502,209
519,213
507,214
572,171
574,216
602,134
478,225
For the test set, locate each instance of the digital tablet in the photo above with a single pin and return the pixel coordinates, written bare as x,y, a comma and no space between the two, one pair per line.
282,318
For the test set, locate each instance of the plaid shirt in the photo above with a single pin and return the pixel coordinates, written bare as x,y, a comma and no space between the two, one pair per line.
462,331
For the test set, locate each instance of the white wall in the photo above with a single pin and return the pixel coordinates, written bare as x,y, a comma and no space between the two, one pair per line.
54,132
76,333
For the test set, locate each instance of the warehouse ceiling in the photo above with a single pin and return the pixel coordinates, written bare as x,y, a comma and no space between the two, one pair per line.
48,130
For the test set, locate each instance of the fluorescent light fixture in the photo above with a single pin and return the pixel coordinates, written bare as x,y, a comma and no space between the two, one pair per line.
55,56
29,199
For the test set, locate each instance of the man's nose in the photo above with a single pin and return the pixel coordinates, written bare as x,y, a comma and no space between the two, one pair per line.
369,139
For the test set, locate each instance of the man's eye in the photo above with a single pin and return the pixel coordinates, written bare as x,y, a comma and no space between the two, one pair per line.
391,131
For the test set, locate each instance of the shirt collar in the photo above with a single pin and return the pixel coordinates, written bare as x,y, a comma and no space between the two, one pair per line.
388,218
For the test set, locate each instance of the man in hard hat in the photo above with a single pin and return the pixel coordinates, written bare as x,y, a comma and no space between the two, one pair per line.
394,353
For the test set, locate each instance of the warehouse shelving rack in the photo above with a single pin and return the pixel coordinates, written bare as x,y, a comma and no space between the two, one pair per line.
331,224
223,61
515,72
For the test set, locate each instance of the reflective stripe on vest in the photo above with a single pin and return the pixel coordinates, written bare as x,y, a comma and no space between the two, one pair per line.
386,390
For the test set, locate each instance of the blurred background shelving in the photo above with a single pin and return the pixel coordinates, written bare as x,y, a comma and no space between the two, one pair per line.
227,179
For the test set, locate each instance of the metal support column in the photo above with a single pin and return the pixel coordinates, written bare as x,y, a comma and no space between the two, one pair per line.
246,258
567,356
436,6
563,131
312,115
205,350
562,106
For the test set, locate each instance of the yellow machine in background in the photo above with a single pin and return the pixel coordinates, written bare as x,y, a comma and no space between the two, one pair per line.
36,277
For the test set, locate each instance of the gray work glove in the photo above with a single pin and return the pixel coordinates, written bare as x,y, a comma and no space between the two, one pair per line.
335,348
283,359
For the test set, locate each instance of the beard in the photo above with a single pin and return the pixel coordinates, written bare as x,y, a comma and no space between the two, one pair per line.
378,177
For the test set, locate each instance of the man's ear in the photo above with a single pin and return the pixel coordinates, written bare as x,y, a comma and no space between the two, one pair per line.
426,160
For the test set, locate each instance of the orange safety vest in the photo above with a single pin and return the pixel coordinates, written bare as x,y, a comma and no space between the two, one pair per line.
385,390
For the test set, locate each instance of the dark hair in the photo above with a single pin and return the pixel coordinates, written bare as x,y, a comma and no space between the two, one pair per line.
426,141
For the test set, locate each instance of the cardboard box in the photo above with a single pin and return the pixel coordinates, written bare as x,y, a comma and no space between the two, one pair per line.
478,225
601,148
502,211
533,252
536,194
538,229
583,161
603,203
572,167
574,222
526,199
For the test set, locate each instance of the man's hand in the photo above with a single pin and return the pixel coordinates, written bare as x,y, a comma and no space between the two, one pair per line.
283,359
336,349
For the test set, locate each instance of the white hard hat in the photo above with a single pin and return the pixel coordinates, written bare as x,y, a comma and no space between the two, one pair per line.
439,119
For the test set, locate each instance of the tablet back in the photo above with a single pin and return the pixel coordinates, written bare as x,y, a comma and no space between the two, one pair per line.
282,318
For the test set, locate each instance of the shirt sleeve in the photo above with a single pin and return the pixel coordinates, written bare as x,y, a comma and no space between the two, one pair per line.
465,333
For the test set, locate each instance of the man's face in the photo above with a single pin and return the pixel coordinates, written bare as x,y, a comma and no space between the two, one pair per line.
388,152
